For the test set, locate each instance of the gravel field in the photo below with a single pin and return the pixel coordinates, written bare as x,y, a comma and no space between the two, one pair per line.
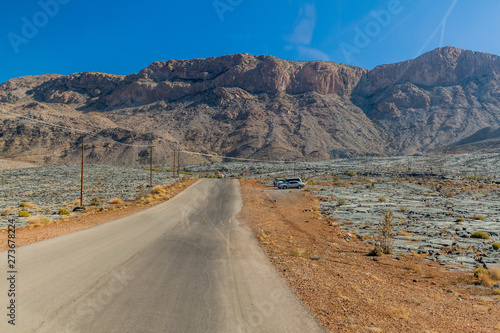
47,189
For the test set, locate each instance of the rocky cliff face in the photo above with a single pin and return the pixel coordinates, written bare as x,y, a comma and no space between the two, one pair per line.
260,107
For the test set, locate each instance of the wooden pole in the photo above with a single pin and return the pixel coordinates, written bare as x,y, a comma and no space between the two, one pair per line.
151,168
81,184
178,163
173,168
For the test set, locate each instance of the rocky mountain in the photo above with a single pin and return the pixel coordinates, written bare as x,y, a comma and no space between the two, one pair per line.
254,106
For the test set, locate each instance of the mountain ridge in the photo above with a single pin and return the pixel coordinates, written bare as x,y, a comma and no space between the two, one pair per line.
263,107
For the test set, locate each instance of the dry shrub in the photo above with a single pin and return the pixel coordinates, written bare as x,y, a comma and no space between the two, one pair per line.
115,201
494,272
413,267
298,252
398,313
158,190
38,221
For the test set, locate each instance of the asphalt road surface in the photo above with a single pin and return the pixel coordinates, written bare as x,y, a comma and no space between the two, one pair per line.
187,265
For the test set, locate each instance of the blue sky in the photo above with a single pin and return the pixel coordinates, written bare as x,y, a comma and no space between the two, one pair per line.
122,37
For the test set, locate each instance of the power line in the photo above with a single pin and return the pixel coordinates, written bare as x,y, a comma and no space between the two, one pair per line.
100,136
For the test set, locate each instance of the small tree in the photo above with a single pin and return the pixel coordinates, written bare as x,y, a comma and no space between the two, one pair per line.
385,238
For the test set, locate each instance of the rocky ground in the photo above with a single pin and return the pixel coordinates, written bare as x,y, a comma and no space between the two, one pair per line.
436,218
43,191
349,291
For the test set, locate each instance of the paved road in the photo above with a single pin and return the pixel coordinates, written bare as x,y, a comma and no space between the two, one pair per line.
187,265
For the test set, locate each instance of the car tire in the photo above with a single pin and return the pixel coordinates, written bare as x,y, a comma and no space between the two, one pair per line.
284,187
299,187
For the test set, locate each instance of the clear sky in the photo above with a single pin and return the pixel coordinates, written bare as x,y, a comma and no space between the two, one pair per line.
122,37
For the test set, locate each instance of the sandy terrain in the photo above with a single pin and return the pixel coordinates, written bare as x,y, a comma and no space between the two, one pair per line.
350,292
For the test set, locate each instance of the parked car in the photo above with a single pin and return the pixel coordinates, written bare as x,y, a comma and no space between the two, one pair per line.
291,184
277,181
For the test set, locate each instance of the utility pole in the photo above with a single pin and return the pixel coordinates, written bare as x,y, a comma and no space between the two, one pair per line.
173,168
151,168
179,163
81,184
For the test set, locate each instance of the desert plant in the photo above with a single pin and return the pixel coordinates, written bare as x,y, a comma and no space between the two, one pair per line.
459,219
335,179
63,211
6,211
341,202
95,201
480,234
477,217
403,209
24,214
382,199
496,245
385,237
23,204
351,173
115,201
377,251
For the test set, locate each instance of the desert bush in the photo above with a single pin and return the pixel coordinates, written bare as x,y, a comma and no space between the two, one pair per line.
335,179
477,217
385,238
23,204
480,234
157,190
24,214
63,211
377,251
351,173
403,209
494,272
315,208
496,245
115,201
37,221
382,199
341,202
459,219
479,271
298,252
95,201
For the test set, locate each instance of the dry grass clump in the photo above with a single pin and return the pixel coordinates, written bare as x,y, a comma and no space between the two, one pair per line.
488,277
115,201
158,190
382,199
460,219
398,313
477,217
63,211
5,212
24,214
38,221
299,252
403,209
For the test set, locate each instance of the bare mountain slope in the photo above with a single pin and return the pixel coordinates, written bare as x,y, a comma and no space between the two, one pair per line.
256,106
